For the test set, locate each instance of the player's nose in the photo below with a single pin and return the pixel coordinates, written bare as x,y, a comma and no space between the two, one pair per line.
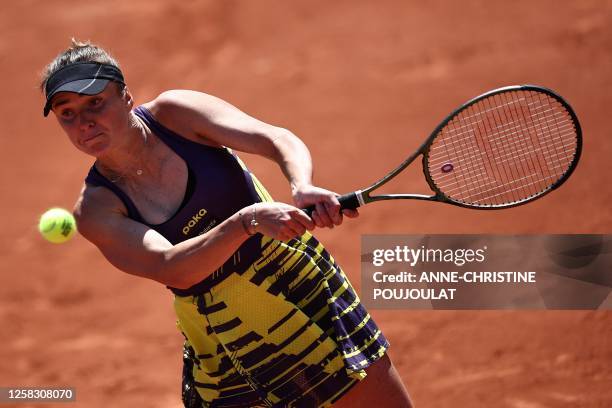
86,121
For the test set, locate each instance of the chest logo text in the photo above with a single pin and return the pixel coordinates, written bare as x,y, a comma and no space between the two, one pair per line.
194,221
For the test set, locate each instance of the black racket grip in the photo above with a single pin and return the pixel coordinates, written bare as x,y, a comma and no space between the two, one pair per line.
349,201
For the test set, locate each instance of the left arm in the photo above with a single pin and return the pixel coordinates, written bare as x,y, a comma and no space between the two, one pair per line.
210,120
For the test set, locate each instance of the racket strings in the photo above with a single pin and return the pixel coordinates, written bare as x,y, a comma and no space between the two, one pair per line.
512,139
508,131
508,174
503,149
515,186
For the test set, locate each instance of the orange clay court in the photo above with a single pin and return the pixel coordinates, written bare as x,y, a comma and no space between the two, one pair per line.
362,83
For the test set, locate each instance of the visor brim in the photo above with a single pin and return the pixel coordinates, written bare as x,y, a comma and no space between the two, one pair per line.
80,86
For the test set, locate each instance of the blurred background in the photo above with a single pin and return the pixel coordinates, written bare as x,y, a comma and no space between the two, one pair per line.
362,83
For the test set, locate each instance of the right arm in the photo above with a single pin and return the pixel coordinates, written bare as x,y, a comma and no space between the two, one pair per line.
139,250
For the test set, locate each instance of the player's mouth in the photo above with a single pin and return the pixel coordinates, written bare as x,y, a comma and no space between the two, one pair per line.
87,139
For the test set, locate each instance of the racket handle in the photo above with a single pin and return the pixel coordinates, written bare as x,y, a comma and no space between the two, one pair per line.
349,201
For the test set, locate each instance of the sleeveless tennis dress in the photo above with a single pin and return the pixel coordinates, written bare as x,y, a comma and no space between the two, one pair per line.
278,324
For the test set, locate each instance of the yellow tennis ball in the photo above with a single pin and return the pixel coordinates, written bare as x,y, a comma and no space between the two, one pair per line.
57,225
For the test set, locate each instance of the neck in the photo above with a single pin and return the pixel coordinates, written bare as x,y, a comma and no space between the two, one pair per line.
129,160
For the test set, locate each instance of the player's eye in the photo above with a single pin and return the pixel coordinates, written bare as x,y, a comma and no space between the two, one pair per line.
95,102
67,114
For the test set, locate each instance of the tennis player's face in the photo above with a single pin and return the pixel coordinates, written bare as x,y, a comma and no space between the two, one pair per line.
94,123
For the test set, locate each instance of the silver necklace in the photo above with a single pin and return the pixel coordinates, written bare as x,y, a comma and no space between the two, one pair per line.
139,170
119,177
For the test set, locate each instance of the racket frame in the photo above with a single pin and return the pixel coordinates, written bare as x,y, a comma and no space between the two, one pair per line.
362,197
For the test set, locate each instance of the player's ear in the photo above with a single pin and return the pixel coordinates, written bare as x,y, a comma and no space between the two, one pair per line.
126,95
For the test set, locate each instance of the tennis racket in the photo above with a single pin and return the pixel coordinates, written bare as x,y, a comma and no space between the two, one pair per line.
504,148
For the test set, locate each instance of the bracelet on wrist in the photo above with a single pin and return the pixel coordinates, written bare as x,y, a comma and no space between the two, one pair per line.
250,227
254,224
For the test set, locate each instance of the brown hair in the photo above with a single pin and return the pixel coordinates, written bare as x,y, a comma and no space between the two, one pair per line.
77,52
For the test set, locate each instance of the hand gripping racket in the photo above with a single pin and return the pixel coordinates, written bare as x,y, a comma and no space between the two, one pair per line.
501,149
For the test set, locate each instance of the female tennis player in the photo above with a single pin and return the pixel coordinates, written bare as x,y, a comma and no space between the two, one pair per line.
268,316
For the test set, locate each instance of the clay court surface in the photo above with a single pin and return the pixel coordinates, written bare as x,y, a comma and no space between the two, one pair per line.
362,83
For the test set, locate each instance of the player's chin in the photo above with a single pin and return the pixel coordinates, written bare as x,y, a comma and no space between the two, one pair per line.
94,148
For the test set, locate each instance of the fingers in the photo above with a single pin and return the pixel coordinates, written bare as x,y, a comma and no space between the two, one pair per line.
282,221
292,229
327,213
327,210
333,210
304,220
351,213
320,223
316,219
321,217
297,224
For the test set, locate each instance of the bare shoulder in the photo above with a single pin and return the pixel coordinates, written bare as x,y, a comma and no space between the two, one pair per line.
183,111
95,207
185,100
209,120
